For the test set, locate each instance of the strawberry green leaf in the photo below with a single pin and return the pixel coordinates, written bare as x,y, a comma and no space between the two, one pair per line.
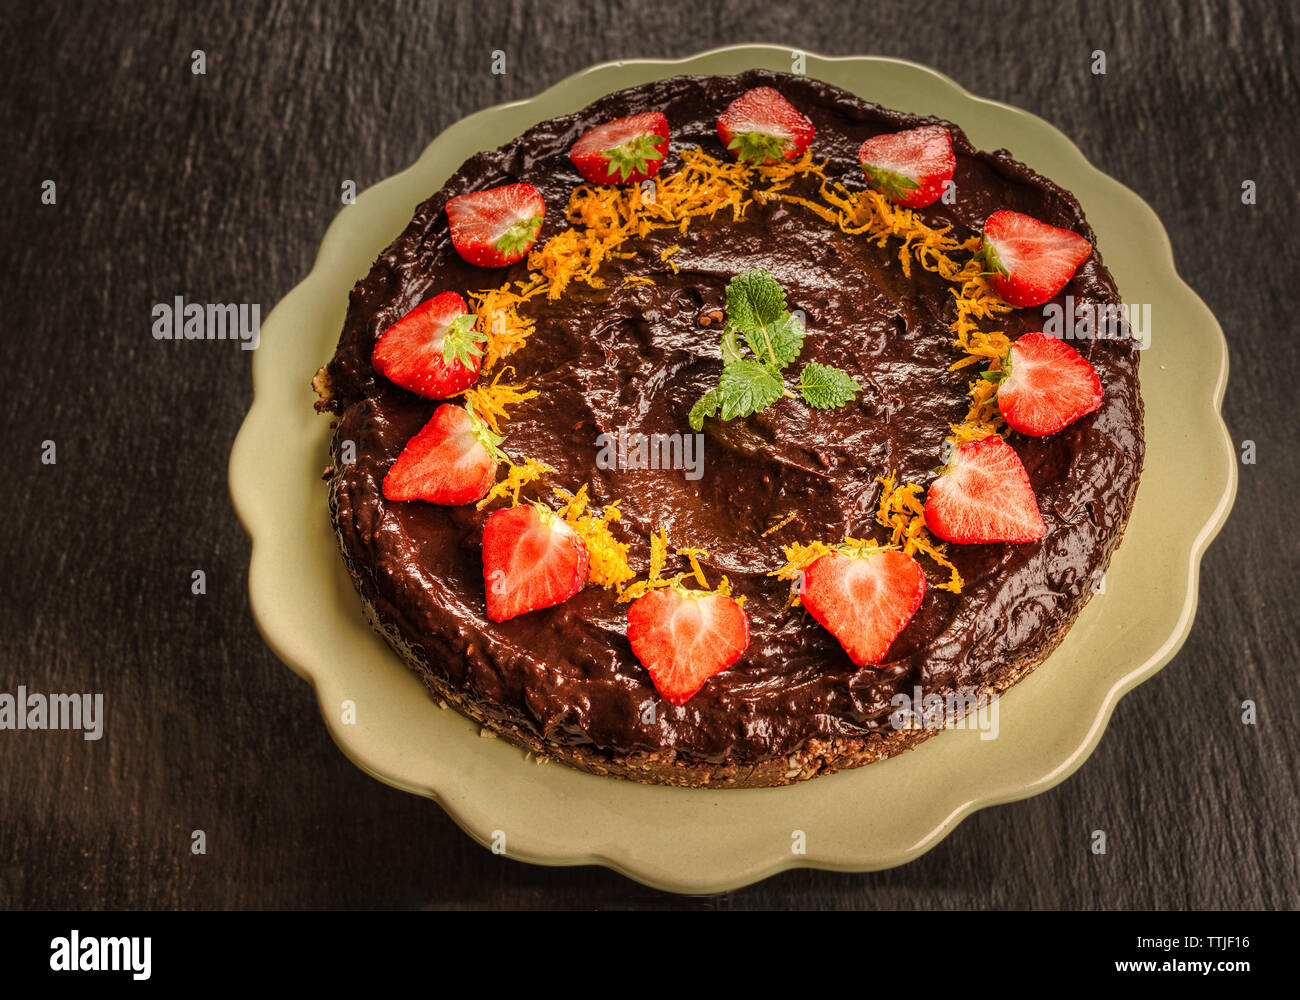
825,388
758,147
996,375
634,156
520,236
890,183
462,343
490,440
990,258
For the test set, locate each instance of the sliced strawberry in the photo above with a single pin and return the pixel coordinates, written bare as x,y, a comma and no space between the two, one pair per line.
433,350
683,637
983,495
1044,384
1029,260
864,597
760,126
910,168
452,460
624,151
531,560
496,227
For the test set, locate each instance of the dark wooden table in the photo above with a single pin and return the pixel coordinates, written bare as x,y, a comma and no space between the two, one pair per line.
219,187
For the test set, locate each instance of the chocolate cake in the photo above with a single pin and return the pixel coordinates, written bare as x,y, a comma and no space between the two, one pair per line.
627,342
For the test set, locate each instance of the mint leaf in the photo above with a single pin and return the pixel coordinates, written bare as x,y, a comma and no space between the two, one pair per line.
747,387
754,300
461,342
730,347
777,343
825,388
756,307
705,406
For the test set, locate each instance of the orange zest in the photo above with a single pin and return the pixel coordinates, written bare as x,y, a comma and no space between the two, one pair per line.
519,475
902,511
868,213
659,560
490,401
607,564
499,319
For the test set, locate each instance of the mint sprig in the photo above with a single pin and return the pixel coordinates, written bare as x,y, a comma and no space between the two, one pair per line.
757,312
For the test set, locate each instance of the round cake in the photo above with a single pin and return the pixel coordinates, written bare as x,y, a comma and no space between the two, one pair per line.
789,368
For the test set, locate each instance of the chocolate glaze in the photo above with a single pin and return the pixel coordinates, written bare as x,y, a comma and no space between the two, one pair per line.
637,357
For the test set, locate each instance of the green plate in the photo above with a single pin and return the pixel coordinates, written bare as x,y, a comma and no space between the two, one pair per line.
688,840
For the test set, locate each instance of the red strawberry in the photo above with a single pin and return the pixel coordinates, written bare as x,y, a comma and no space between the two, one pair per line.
624,151
1044,384
864,598
911,168
683,637
531,559
761,126
451,461
1029,260
983,495
433,350
496,227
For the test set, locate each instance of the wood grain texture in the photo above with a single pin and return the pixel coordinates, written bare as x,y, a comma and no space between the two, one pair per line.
219,188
